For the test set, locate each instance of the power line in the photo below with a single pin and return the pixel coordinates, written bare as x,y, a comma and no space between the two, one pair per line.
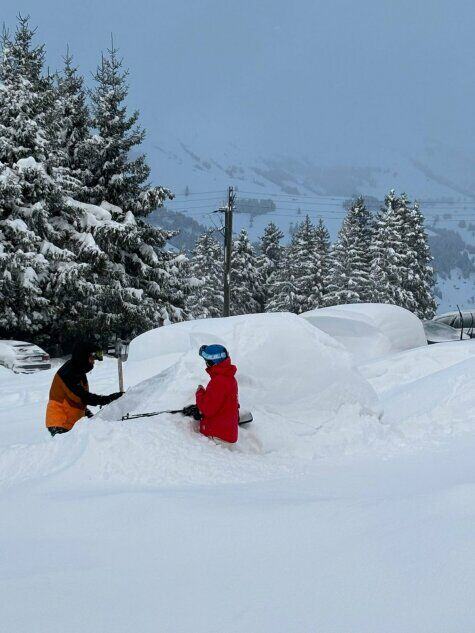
196,193
319,197
302,201
294,207
334,214
311,197
320,213
292,195
196,201
199,206
306,208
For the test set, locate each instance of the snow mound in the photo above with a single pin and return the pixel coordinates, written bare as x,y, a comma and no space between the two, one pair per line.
370,330
427,392
412,365
305,395
434,406
300,384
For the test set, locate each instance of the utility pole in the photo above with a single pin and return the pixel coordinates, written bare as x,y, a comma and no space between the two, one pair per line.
228,243
228,246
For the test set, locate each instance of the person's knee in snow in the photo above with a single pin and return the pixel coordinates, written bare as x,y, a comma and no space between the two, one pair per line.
218,402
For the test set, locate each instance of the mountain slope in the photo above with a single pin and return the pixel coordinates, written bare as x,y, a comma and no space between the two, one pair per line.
290,187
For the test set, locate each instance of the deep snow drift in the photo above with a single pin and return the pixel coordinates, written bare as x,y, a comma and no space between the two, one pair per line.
300,384
110,528
306,397
427,393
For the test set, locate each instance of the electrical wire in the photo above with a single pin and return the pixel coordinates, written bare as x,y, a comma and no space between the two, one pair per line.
303,206
294,206
196,193
319,197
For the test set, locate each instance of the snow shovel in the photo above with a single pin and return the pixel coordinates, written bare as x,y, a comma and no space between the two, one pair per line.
245,417
134,416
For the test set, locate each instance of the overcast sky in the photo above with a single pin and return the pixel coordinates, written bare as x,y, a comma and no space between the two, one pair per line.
335,80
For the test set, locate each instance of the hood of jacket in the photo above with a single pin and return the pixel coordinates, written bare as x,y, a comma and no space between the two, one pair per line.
80,357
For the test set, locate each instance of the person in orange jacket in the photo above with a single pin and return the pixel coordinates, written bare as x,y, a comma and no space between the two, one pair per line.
69,395
218,403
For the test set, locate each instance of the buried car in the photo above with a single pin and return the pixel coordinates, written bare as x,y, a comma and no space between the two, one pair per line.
462,321
440,332
22,357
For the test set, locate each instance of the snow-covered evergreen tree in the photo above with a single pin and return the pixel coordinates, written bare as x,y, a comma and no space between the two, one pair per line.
245,277
71,133
81,289
322,241
420,274
298,285
206,298
282,290
401,269
128,281
307,264
349,274
390,266
118,178
270,259
121,279
24,97
28,192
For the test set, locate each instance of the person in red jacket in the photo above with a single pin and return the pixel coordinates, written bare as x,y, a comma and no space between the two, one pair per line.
218,403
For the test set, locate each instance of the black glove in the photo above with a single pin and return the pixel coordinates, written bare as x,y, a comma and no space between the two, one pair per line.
89,413
111,397
192,411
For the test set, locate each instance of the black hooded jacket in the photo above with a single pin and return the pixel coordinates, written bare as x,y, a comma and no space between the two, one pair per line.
73,374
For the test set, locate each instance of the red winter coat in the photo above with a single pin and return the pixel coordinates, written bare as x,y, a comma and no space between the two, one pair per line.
219,403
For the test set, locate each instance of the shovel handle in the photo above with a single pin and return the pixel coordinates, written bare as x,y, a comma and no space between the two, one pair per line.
121,375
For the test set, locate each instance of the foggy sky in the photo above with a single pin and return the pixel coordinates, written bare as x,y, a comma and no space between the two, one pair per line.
336,80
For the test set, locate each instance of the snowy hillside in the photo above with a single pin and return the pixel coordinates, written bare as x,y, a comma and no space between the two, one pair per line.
292,187
347,505
196,164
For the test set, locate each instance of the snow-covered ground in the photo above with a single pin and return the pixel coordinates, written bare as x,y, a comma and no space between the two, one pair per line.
348,505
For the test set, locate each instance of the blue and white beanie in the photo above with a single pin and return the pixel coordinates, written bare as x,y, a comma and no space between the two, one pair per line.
214,353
